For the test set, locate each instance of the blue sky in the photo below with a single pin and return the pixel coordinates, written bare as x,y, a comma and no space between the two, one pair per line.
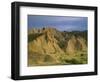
62,23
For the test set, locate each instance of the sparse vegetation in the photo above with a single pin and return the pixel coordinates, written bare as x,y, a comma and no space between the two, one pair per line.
31,37
57,48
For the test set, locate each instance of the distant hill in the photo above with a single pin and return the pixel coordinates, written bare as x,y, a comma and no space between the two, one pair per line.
48,46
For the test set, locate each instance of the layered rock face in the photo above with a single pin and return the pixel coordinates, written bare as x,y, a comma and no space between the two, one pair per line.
48,46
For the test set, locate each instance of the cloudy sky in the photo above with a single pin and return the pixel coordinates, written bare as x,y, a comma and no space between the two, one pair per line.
62,23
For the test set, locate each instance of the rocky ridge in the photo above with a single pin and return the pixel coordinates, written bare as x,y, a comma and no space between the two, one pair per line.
48,46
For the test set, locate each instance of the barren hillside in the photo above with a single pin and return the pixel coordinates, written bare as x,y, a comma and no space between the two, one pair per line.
48,46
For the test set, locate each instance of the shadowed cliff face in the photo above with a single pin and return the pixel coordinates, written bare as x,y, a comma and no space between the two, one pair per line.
48,46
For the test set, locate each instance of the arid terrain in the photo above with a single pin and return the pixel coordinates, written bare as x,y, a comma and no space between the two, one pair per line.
49,46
